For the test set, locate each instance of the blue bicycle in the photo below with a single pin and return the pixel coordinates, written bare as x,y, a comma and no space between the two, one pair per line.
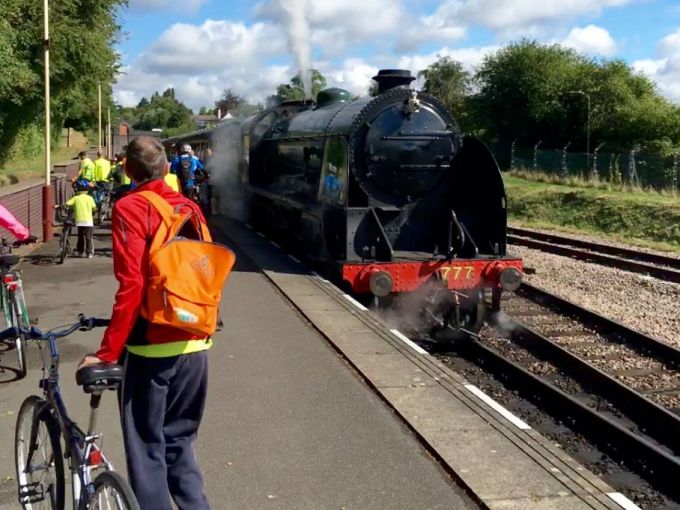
43,422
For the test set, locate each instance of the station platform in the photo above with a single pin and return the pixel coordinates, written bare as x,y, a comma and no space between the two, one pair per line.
313,403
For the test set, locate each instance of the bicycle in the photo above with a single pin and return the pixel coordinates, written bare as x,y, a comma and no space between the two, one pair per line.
12,299
43,422
65,248
104,203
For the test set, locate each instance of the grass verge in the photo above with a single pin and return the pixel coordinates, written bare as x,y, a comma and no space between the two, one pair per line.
21,169
640,218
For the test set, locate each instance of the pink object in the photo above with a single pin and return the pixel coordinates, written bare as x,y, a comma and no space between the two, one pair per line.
9,222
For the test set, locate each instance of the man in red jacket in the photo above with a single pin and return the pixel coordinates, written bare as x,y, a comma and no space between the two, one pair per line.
166,369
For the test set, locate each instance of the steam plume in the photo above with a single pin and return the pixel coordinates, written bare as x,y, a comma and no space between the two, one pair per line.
299,41
224,172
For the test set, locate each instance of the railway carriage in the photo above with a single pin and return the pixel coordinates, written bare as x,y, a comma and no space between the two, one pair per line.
385,193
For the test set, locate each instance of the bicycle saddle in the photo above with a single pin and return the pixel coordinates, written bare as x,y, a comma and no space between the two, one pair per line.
9,260
68,223
99,377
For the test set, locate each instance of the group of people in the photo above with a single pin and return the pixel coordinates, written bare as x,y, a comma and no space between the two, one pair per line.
163,394
186,174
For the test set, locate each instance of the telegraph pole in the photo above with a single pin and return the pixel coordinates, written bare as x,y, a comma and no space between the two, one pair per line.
99,104
47,198
109,149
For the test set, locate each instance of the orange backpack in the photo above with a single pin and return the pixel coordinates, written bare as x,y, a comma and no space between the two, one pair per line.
186,276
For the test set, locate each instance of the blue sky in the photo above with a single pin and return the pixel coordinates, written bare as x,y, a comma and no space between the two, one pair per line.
204,46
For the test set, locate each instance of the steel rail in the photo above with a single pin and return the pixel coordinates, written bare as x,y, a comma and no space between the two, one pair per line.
660,468
652,419
660,350
608,249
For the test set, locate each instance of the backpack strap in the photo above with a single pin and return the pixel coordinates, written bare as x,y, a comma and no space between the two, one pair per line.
167,212
160,204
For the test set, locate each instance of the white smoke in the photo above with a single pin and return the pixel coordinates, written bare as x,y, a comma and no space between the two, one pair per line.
299,39
223,167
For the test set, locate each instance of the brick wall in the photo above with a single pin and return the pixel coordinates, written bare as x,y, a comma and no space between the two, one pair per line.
24,200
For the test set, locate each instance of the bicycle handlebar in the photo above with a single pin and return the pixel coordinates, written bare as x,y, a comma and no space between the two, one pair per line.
84,324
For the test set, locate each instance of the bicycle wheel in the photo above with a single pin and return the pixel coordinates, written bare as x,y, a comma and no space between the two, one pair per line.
41,484
111,491
21,320
64,244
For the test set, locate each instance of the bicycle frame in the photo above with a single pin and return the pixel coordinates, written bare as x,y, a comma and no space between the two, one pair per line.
82,450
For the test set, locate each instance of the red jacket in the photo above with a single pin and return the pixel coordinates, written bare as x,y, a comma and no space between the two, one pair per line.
134,223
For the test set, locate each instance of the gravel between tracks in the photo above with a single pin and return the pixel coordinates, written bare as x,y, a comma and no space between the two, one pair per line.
641,302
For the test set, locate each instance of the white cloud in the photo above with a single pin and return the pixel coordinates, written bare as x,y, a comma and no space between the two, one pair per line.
164,5
469,57
212,46
519,16
339,24
592,40
665,69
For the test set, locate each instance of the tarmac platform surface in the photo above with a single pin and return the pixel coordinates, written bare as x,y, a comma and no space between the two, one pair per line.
312,404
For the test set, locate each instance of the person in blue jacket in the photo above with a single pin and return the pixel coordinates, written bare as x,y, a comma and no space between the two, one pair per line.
185,166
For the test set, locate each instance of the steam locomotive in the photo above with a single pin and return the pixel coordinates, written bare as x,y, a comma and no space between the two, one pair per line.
384,192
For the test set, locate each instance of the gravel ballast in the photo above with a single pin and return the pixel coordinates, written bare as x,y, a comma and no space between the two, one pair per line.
638,301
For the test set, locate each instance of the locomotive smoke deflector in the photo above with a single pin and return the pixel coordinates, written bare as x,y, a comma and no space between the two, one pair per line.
388,79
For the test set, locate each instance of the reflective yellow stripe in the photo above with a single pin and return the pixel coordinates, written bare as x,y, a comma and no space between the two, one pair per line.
170,349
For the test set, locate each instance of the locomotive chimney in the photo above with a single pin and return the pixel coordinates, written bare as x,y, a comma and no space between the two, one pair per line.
393,78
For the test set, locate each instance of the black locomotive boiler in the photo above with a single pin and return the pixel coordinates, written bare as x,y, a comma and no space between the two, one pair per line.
386,193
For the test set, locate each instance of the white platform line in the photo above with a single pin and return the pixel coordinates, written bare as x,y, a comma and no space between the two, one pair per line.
275,244
249,226
497,407
408,341
259,233
355,302
622,501
294,258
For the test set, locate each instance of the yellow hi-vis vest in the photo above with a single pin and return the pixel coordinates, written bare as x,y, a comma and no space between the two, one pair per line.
102,169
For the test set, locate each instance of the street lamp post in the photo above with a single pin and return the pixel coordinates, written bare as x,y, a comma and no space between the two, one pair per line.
47,197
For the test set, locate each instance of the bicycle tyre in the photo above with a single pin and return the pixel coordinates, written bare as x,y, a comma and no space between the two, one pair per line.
56,490
21,320
126,499
63,244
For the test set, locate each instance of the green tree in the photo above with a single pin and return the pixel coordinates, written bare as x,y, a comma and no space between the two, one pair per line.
164,112
229,102
447,80
530,92
523,93
294,91
82,38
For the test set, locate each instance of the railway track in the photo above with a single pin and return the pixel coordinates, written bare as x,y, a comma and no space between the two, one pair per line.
659,266
615,386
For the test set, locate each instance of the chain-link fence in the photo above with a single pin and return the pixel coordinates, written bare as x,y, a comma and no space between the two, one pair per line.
630,169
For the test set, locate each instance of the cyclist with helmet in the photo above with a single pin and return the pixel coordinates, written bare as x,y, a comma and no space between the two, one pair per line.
83,206
86,168
186,166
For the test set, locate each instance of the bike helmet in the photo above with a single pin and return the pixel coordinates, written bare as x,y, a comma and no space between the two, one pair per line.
82,185
186,148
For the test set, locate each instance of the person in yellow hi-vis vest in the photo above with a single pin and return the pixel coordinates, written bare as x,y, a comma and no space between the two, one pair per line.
83,206
171,179
102,171
86,169
102,168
